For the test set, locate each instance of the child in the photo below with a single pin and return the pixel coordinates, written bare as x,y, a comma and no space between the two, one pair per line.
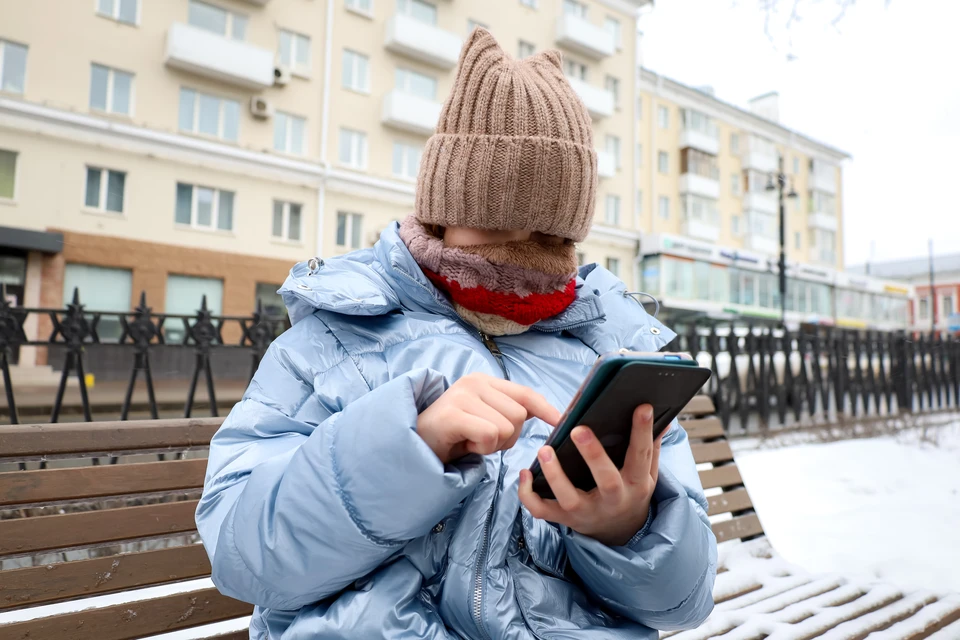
373,481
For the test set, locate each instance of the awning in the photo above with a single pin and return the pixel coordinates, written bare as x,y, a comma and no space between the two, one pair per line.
31,240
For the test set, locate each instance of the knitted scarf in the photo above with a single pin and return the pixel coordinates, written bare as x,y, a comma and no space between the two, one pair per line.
501,289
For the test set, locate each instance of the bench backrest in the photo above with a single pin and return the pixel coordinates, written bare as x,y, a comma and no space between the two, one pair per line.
74,533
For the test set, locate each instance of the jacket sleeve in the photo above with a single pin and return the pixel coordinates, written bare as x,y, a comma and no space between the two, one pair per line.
312,483
663,577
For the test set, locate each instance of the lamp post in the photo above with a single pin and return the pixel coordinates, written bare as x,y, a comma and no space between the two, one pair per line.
781,183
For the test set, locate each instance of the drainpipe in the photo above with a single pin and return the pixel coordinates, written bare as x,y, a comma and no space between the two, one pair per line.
324,129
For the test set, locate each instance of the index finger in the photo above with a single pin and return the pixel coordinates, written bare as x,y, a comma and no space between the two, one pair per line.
536,405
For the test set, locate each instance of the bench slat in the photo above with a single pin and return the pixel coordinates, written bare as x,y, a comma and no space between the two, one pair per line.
742,527
43,533
132,620
105,437
711,452
725,476
700,405
25,487
234,635
703,428
68,580
729,501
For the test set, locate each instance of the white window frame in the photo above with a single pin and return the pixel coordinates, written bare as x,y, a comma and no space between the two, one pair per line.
663,212
355,149
288,143
525,49
736,228
571,67
663,162
406,87
734,143
355,67
612,84
16,177
231,18
195,125
614,147
663,117
736,184
303,72
532,4
111,74
473,24
579,9
115,12
214,211
797,240
353,5
351,217
613,266
407,9
616,31
3,50
102,196
611,210
285,224
407,174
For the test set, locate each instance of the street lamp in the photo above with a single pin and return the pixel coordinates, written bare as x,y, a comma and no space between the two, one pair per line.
781,183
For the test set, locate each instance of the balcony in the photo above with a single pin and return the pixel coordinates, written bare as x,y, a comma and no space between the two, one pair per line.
700,230
606,164
693,139
760,201
410,113
584,37
759,161
761,244
820,220
213,56
825,181
423,42
599,102
700,186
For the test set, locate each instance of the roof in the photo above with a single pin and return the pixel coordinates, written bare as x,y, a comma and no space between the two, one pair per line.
910,267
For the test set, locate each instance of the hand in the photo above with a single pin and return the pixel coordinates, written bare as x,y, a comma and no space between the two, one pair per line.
481,414
617,508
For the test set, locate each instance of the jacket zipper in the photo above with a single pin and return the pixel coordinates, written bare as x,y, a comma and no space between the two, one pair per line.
492,347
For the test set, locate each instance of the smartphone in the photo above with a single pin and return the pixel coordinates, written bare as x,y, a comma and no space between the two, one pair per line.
616,385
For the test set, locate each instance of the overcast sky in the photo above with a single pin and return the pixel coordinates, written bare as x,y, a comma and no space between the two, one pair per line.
883,85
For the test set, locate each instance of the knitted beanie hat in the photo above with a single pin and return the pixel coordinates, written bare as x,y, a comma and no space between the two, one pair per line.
513,148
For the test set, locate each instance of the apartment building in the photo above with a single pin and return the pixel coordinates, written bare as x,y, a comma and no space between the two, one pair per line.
200,147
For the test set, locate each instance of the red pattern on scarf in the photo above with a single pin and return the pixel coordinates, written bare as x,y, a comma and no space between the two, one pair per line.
525,310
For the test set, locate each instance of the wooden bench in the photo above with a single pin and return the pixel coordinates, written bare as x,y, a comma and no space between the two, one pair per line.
110,552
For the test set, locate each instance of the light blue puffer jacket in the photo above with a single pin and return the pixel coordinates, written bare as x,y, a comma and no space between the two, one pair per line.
324,508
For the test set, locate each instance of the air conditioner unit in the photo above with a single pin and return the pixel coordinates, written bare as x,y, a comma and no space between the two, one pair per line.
260,107
281,76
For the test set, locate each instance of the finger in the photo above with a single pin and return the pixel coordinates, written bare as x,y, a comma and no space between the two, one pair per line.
505,429
536,405
539,508
655,458
636,466
481,435
505,405
568,496
605,473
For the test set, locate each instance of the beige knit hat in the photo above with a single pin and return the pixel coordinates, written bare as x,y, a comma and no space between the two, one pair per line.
513,148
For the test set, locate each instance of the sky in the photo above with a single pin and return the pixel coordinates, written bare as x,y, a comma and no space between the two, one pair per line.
882,84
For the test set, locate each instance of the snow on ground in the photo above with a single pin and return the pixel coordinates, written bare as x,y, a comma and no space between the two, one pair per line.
886,507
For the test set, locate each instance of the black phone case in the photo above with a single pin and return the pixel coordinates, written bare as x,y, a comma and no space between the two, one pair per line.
667,388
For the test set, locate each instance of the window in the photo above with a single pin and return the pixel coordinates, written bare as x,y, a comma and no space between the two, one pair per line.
269,301
525,49
111,90
216,20
946,307
473,24
581,258
639,108
363,6
185,294
13,67
639,155
697,121
406,160
287,220
734,143
529,3
613,266
823,244
353,148
735,226
295,51
639,203
612,144
820,202
349,228
764,225
700,209
924,308
735,186
574,8
8,174
289,134
797,203
418,10
699,163
101,289
665,207
209,115
612,26
416,84
104,189
612,85
796,165
575,69
796,239
663,117
663,162
612,210
356,71
204,207
119,10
